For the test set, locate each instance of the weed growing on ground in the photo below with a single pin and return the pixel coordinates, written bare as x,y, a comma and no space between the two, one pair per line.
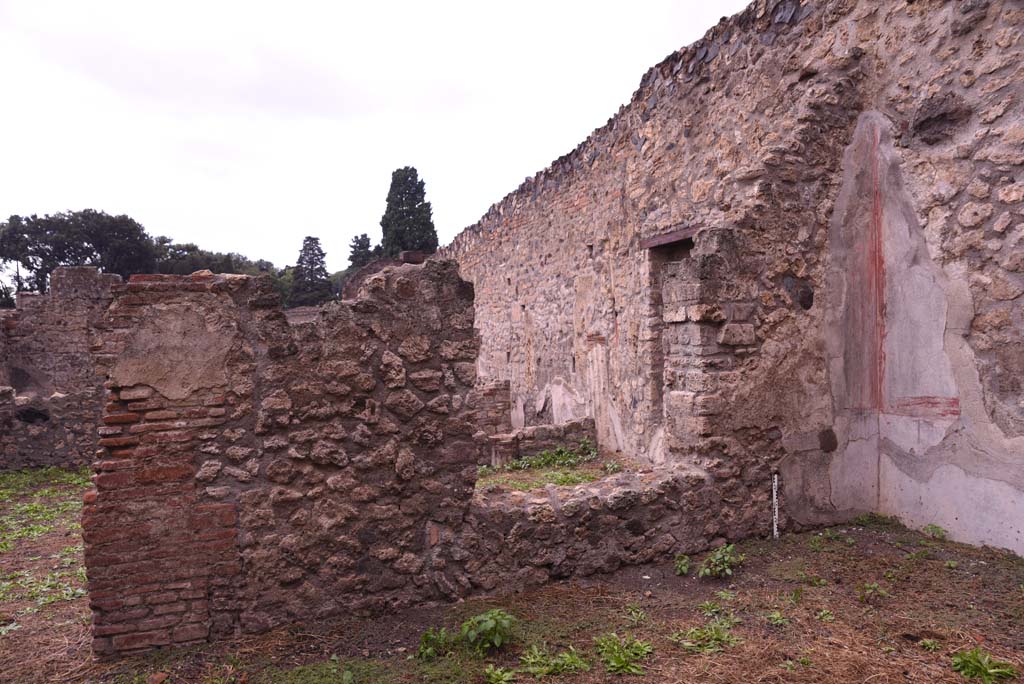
712,638
561,457
870,591
611,467
978,664
539,662
434,643
498,675
825,615
710,608
721,562
935,532
877,521
776,619
812,580
725,595
930,645
635,614
682,564
791,665
952,564
622,655
487,631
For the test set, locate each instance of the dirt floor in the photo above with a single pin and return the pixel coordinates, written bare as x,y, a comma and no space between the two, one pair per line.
870,602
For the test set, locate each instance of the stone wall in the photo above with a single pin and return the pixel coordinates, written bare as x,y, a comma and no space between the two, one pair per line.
50,395
256,473
797,247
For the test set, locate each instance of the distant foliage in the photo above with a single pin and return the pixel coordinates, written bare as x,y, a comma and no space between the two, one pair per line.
6,297
407,223
36,245
310,282
40,244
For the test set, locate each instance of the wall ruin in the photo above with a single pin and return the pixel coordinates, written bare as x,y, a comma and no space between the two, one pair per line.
256,473
796,249
50,394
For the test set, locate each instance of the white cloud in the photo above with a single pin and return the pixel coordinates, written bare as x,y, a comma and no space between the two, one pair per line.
244,126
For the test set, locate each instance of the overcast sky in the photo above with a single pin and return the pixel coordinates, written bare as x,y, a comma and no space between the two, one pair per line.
244,126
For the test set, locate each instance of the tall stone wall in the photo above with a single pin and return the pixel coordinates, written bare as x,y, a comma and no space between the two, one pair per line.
796,248
256,473
50,395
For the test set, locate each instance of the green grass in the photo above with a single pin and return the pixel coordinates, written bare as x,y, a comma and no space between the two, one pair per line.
560,467
54,495
332,671
57,480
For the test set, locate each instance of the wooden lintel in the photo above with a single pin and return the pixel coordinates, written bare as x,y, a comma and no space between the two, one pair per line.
668,238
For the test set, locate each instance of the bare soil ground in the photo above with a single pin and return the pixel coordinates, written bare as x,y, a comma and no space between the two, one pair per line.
870,602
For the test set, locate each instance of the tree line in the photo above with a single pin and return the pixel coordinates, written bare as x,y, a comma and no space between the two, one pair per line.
31,247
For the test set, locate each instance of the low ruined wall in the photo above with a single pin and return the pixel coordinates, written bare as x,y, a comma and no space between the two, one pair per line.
532,440
516,539
45,358
256,473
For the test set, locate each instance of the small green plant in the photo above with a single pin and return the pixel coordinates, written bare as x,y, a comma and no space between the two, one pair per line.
434,643
560,457
622,655
791,665
877,521
539,662
776,619
635,614
816,543
796,596
611,467
710,608
498,675
935,532
812,580
952,564
849,541
712,638
682,564
825,615
721,562
488,630
978,664
930,645
725,595
869,591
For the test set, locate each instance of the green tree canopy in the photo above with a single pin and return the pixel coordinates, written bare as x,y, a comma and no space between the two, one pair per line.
310,282
39,244
359,252
407,222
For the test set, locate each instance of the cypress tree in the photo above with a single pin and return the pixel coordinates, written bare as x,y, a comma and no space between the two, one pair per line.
310,284
407,222
359,252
